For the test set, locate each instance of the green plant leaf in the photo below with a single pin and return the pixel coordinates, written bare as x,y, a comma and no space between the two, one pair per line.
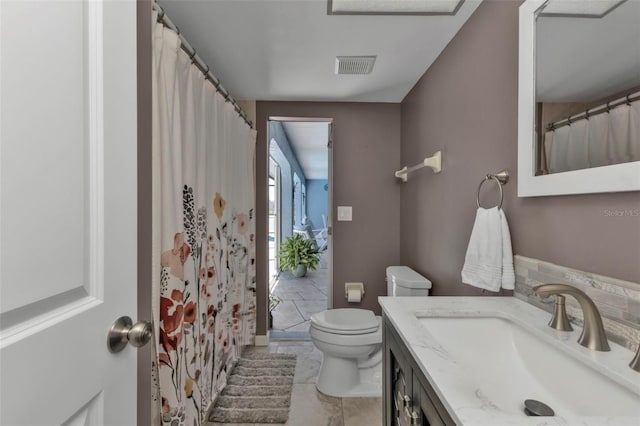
297,250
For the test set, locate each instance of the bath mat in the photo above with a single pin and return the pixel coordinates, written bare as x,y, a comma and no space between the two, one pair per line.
258,390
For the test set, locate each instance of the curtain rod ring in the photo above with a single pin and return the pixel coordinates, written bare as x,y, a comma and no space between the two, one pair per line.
192,56
608,107
629,100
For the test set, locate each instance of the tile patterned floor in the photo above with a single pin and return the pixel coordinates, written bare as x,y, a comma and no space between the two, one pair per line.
301,297
308,406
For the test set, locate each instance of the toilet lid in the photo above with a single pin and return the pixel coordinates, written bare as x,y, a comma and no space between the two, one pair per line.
345,321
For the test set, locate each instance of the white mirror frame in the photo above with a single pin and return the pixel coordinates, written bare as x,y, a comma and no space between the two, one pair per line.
614,178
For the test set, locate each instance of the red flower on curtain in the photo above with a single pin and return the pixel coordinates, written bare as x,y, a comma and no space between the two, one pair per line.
190,312
177,295
171,313
175,258
170,343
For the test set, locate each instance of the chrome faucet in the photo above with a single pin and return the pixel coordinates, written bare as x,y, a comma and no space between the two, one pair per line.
593,335
559,319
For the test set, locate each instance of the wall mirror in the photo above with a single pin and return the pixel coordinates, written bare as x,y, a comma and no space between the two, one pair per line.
579,97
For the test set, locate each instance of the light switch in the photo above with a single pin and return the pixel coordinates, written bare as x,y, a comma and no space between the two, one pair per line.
344,213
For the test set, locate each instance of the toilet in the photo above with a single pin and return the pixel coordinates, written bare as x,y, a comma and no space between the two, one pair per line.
350,340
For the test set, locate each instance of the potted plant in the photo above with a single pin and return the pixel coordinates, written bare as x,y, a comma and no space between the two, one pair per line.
274,301
298,254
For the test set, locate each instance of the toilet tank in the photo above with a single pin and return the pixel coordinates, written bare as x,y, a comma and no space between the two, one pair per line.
404,281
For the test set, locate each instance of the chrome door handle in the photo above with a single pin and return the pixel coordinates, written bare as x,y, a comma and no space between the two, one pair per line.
123,331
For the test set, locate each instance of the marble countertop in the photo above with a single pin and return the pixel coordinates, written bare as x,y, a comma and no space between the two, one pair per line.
464,398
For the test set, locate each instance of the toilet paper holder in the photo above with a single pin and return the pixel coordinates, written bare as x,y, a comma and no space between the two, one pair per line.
351,287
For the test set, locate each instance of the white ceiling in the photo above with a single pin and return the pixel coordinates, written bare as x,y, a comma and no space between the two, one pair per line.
286,49
309,142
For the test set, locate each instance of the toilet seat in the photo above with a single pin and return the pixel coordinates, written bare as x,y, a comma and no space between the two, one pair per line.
346,321
360,339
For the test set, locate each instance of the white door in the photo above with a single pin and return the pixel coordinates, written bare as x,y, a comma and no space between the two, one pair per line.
67,210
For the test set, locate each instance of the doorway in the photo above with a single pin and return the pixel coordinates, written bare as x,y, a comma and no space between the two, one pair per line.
300,184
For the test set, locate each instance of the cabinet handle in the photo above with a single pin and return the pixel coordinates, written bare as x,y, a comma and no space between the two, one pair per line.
412,416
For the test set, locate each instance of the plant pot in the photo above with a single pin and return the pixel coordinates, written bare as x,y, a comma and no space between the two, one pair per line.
300,271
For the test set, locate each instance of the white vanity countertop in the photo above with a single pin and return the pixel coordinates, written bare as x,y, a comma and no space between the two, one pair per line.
463,397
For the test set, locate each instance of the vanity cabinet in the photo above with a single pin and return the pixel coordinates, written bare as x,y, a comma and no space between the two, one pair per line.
408,397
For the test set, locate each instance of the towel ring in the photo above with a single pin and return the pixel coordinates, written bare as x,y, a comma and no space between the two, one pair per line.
501,178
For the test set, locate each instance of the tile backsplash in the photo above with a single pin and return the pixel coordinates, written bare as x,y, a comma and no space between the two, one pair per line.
618,301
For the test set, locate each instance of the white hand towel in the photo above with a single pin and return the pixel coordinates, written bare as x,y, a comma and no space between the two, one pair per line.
489,260
483,262
508,275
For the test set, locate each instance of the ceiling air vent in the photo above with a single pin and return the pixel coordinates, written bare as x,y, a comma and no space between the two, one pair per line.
354,64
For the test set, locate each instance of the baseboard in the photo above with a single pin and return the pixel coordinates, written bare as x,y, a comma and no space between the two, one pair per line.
262,340
278,335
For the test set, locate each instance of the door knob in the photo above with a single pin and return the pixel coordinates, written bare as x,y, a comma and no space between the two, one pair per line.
123,331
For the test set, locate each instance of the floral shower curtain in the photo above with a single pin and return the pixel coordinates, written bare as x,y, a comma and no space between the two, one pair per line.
204,229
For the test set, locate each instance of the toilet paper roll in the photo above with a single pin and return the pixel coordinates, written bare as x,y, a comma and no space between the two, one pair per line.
354,295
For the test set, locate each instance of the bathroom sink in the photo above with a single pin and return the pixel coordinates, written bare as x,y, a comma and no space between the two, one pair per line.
510,364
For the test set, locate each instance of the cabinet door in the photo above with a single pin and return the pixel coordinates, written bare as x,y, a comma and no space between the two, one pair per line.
430,409
427,412
401,386
399,401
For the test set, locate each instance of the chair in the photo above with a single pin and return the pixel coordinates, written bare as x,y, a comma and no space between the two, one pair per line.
322,235
319,236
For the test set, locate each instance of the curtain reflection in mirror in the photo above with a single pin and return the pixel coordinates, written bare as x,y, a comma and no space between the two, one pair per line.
606,137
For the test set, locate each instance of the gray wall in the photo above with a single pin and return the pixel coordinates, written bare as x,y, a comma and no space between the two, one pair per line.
466,106
317,199
366,153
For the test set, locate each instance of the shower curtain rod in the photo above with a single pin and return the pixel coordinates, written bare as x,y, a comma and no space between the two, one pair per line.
631,97
199,62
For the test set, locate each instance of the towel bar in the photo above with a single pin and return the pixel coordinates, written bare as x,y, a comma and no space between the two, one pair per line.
435,162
